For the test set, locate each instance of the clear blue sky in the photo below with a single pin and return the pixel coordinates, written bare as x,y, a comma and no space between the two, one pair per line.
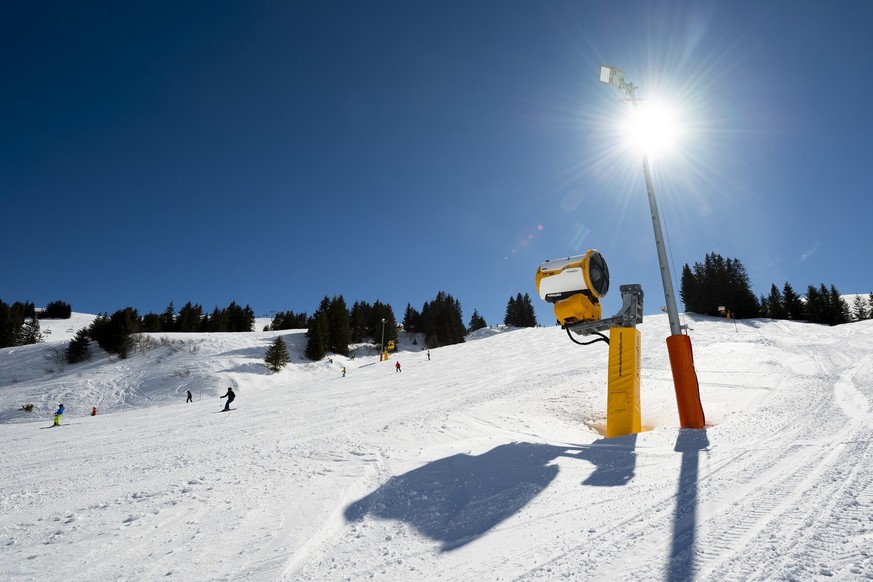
272,153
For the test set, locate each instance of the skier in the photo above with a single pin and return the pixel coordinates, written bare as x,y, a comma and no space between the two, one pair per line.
189,398
230,396
428,355
58,415
94,411
397,367
344,371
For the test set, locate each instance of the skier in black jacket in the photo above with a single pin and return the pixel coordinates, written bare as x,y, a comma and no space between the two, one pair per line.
230,396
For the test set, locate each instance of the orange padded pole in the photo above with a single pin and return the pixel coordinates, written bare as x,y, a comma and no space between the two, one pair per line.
685,382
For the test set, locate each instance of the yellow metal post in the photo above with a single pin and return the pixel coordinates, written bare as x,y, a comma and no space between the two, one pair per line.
623,384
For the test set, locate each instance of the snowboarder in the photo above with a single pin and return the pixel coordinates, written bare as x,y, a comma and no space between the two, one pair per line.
230,396
58,415
397,367
344,371
94,411
189,398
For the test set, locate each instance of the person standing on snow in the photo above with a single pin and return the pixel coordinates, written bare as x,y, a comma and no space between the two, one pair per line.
58,415
230,396
189,398
397,367
344,371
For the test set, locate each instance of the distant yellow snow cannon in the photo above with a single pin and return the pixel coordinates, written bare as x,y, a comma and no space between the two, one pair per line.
574,286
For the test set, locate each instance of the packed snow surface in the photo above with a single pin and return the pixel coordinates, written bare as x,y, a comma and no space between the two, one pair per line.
484,462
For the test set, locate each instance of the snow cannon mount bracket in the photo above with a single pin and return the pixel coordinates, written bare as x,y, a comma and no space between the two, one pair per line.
630,314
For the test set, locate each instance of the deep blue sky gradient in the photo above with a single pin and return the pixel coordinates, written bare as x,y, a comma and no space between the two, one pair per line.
272,153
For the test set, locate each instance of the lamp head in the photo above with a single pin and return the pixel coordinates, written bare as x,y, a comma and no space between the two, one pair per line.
612,76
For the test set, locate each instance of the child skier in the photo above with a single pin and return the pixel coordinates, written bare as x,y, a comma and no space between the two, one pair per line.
58,415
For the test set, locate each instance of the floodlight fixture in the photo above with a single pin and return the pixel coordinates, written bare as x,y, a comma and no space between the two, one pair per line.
612,76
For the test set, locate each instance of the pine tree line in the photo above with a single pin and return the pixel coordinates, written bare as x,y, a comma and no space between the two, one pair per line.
822,305
115,333
18,324
720,283
191,318
520,312
333,327
716,284
288,320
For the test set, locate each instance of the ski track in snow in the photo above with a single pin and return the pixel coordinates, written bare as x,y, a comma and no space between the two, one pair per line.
482,463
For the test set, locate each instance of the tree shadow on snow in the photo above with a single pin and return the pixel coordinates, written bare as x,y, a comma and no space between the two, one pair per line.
457,499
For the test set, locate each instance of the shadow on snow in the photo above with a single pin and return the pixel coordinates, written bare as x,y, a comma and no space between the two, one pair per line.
459,498
690,443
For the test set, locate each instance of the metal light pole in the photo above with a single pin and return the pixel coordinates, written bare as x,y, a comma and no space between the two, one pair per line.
678,345
382,345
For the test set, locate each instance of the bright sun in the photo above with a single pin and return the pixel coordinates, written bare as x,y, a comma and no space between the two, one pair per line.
653,128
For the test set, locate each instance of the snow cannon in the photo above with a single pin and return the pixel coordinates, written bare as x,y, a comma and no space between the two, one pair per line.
575,286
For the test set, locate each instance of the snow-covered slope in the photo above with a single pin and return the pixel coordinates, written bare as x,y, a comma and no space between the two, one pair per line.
482,463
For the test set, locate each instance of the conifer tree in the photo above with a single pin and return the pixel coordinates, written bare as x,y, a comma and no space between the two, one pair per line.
316,336
339,329
814,308
520,312
151,322
115,334
839,310
527,315
775,304
688,289
359,318
511,314
8,331
442,321
379,312
859,308
78,348
411,319
764,311
168,318
190,318
477,321
277,356
792,304
30,332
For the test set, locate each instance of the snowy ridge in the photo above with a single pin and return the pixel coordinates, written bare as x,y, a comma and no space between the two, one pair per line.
483,463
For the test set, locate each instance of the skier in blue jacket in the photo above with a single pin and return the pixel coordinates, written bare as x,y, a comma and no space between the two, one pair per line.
59,414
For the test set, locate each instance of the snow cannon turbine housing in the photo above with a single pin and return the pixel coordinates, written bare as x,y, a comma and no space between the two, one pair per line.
574,285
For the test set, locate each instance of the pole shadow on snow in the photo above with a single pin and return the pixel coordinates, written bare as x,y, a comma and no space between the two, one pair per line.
457,499
681,566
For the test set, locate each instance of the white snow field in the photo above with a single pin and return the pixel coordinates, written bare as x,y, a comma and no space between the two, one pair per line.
482,463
